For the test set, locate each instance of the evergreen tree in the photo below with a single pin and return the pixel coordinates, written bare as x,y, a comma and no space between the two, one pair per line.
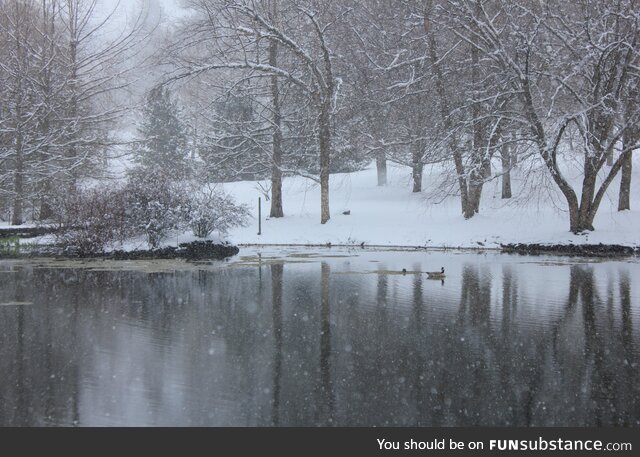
163,138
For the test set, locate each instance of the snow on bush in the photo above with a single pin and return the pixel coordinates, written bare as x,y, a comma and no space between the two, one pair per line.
156,204
90,220
151,204
210,210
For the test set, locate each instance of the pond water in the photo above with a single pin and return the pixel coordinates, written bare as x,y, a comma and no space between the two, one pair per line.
325,337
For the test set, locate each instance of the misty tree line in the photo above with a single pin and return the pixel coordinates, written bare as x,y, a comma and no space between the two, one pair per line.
255,89
58,80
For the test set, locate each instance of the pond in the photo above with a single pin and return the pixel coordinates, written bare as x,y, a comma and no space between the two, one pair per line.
293,337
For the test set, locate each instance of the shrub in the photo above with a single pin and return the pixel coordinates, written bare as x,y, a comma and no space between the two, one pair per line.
150,204
88,221
156,204
211,210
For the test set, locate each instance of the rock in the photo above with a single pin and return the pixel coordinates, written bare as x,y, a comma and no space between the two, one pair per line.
207,250
347,213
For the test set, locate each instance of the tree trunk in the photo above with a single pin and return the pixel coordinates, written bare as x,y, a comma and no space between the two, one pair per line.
417,177
71,151
46,212
585,221
475,192
486,167
18,185
381,166
629,138
610,158
276,168
325,159
506,171
48,25
624,202
18,178
480,168
417,166
444,113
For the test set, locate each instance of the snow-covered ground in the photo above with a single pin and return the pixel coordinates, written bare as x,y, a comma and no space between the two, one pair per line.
394,216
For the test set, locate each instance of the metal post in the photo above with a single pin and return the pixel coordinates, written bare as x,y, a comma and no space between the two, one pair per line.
259,216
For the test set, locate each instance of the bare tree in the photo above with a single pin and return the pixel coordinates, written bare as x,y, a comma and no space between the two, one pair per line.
237,30
568,65
20,120
276,172
61,74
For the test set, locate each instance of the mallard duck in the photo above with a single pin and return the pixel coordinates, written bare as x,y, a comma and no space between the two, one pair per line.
436,274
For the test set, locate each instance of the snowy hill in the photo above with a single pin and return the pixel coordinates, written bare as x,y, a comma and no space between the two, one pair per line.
394,216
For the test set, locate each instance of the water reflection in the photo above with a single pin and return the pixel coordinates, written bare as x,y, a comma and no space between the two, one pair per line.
325,389
276,287
504,342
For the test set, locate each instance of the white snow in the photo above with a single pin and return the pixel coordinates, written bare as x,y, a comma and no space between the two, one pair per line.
394,216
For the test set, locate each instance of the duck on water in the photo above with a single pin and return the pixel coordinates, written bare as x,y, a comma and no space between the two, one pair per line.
436,274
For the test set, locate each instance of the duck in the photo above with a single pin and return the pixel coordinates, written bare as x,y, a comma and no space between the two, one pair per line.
436,274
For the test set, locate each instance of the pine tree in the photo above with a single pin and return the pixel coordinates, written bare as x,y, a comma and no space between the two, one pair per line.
163,138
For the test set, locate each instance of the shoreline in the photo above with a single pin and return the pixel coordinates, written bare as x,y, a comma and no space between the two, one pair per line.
533,249
194,251
208,250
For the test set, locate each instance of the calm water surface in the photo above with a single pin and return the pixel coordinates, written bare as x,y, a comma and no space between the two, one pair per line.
321,338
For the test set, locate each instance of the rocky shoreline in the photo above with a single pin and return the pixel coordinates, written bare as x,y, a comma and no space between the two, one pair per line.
582,250
197,250
208,250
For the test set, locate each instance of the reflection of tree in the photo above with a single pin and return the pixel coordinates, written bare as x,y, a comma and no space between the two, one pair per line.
383,287
346,349
326,407
473,323
628,389
419,324
509,299
21,412
509,308
276,293
475,295
593,350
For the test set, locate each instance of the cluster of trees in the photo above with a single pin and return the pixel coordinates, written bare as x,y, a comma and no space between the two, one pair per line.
59,79
254,89
460,82
162,193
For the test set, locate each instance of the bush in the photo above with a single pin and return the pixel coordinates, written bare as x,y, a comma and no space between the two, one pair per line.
156,204
150,204
90,220
211,210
